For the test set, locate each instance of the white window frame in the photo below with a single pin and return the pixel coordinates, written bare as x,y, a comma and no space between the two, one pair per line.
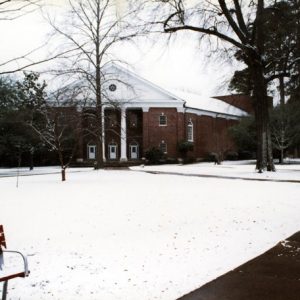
88,151
116,151
190,132
165,146
137,150
165,118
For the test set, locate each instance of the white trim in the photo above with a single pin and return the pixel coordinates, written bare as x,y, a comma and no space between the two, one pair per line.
89,152
123,135
190,126
180,109
166,120
145,81
166,146
200,112
136,103
137,150
103,132
116,151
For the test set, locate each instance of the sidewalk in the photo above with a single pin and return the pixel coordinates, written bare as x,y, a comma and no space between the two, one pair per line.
24,171
220,176
274,275
228,170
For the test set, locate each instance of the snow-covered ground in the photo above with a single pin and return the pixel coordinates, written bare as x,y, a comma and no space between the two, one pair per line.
24,171
132,235
232,169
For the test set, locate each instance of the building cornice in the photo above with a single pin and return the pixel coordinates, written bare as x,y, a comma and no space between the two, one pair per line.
202,112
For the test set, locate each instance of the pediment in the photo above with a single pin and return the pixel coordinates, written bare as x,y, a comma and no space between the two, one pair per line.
123,86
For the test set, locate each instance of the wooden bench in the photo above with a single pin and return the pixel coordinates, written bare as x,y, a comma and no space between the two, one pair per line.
8,277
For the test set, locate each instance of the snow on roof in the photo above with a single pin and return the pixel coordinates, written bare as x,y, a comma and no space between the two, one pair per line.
209,104
193,100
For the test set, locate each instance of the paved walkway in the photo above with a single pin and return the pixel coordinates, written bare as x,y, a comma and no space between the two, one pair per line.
219,176
13,172
275,275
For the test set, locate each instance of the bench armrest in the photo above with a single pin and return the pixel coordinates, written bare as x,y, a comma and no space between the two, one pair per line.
25,273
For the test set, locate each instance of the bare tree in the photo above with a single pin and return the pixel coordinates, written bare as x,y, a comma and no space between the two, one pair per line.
13,9
59,123
240,25
284,120
94,28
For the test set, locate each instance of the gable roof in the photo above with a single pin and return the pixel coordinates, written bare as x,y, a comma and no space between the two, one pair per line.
139,88
204,103
149,93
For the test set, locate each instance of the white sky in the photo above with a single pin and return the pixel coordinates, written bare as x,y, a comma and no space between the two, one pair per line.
181,64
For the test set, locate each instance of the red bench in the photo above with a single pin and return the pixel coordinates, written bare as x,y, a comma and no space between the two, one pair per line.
5,278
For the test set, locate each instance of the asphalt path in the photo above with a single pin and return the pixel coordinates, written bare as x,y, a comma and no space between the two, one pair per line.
274,275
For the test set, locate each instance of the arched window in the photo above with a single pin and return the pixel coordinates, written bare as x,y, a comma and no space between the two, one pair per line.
190,131
162,120
163,147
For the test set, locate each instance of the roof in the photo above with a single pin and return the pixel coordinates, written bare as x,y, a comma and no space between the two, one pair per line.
206,103
202,104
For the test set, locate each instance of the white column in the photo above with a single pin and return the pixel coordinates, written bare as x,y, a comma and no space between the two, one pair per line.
103,132
123,135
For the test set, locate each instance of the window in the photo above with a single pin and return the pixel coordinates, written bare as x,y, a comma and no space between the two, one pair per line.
132,120
162,120
190,132
91,151
112,120
112,87
163,147
112,150
133,150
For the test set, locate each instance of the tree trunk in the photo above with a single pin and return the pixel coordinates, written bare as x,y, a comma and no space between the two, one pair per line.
31,160
261,102
62,165
99,154
281,90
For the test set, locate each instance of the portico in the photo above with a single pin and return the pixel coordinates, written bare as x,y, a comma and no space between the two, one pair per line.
122,133
138,116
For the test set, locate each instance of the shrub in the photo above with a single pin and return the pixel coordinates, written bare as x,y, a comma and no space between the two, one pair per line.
154,156
246,155
184,147
211,156
231,155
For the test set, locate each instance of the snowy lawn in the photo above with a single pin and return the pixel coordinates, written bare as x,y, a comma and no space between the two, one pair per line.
136,236
24,171
233,169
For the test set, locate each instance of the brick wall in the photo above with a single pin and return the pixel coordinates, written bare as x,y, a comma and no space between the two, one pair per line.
168,134
210,134
243,102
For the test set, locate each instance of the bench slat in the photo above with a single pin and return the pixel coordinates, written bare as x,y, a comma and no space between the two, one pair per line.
5,278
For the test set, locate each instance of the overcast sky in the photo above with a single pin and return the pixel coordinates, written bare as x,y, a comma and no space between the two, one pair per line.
181,64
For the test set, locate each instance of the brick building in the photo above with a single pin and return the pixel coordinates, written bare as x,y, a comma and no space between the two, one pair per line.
139,115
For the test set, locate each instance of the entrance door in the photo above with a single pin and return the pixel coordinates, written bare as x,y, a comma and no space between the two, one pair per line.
91,152
112,151
134,151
